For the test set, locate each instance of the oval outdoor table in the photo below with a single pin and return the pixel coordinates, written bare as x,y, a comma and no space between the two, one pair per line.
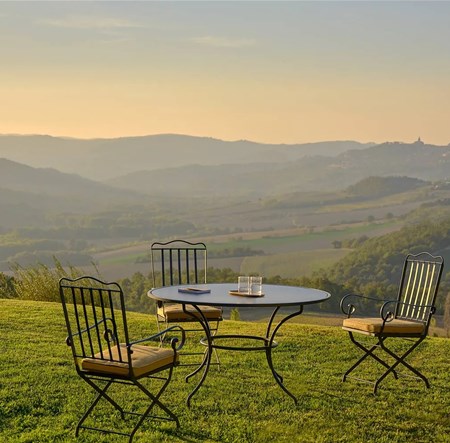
275,296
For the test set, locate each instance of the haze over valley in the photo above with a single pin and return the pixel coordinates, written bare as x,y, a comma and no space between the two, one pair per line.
215,190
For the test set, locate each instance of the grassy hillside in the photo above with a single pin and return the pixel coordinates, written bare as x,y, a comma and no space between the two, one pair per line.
41,397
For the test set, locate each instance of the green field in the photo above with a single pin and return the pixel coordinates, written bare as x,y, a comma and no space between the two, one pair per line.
287,255
41,398
273,242
292,264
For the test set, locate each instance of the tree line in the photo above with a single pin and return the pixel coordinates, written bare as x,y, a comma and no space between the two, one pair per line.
373,269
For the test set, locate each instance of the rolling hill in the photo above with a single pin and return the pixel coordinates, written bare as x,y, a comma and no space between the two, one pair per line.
101,159
317,173
27,194
178,165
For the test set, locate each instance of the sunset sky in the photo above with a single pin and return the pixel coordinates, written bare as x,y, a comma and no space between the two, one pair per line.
275,72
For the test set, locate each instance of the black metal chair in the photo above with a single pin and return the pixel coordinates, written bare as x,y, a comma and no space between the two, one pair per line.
407,317
180,262
104,354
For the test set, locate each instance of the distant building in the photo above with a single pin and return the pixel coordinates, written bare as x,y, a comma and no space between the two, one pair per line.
419,142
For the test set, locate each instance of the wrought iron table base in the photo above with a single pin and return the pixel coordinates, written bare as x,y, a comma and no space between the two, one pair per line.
268,341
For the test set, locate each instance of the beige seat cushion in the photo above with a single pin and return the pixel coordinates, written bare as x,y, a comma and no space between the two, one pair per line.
373,326
174,312
144,359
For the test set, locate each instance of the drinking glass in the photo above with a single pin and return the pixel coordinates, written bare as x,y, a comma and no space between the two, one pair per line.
256,285
244,284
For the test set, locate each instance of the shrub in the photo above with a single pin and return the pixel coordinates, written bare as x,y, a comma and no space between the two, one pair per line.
41,282
7,288
234,314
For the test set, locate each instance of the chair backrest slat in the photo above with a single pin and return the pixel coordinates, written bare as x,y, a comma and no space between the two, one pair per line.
96,319
77,318
85,318
179,267
419,286
106,316
188,271
178,262
171,266
195,265
416,289
427,272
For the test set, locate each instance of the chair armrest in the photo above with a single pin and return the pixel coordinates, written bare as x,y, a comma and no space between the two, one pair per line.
387,313
173,342
347,306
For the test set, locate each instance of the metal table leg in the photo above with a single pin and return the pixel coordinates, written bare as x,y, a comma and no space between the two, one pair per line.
207,356
270,336
267,346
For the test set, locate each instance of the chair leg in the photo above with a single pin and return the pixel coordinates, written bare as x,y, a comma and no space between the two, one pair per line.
101,394
401,360
213,331
158,325
368,352
155,401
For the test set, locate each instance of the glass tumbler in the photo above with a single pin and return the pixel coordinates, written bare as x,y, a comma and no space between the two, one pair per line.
244,284
256,285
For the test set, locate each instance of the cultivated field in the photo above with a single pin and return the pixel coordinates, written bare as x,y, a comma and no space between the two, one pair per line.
288,253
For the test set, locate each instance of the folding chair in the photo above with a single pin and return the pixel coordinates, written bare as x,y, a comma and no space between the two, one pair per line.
104,355
408,317
180,262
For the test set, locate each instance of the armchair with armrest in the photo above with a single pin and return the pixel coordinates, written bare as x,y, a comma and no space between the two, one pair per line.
407,317
104,354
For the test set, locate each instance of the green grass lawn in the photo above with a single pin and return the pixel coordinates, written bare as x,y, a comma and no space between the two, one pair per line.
41,397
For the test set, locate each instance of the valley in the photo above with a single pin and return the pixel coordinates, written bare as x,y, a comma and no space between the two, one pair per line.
296,210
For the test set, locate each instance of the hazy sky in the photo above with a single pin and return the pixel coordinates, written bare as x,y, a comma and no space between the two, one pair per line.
281,72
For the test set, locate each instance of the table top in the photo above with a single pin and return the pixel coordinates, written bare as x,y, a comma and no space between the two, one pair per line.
274,295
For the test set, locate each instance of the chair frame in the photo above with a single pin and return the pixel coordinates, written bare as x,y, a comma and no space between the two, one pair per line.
95,324
179,266
415,302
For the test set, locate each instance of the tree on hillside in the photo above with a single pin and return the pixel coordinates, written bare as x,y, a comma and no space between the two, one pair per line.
373,187
375,267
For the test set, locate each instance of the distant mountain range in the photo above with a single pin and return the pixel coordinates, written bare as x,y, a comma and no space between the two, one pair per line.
48,181
102,159
27,192
180,166
312,173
